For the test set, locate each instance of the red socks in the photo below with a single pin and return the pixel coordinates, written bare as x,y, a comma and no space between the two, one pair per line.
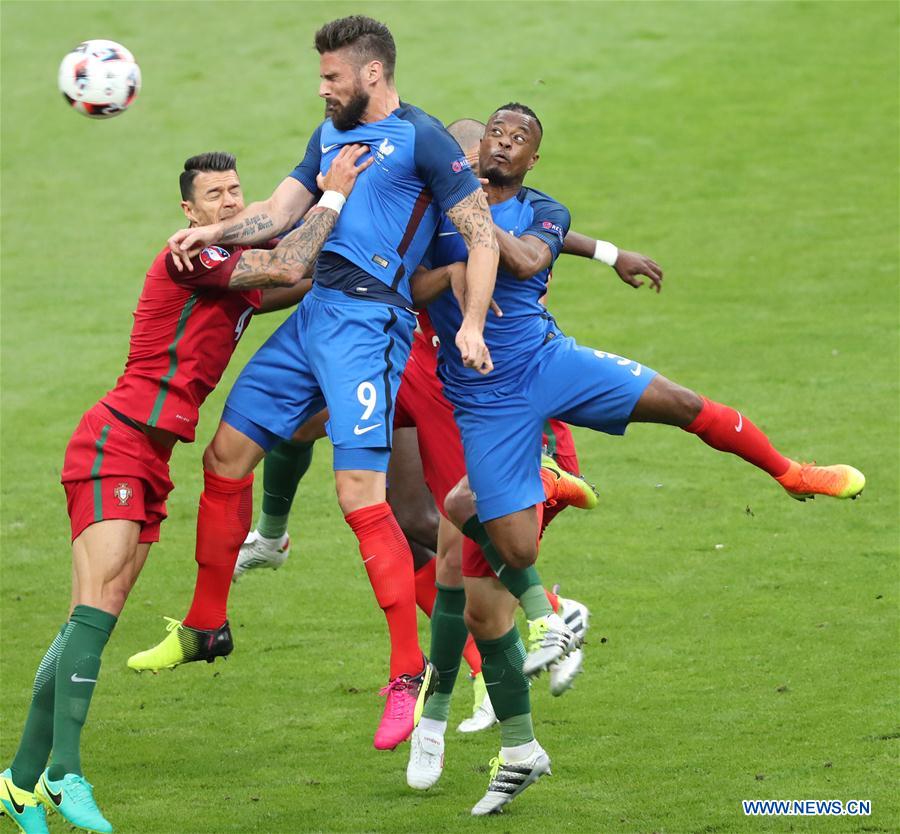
728,430
389,564
223,521
426,590
553,599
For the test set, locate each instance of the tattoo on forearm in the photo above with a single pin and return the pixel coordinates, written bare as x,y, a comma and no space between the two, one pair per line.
288,262
472,217
249,228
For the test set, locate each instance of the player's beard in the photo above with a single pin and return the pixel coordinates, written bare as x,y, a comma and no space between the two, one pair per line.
347,116
496,177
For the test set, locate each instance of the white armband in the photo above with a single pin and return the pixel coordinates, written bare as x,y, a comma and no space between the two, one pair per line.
606,252
333,200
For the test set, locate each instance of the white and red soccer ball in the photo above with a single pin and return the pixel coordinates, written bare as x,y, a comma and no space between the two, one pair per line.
99,78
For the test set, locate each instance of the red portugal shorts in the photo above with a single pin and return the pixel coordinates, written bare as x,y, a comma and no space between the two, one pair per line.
421,404
112,470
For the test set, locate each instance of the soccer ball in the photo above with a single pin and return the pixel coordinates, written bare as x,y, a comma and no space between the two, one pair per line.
100,79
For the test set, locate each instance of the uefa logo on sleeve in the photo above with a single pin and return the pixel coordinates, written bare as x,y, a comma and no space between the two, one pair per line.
212,256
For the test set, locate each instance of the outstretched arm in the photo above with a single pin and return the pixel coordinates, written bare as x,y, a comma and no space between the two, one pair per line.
257,223
472,218
628,265
292,260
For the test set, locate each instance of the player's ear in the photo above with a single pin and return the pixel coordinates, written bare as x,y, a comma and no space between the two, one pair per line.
188,211
534,160
373,72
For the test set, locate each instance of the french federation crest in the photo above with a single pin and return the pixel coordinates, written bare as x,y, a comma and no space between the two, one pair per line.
123,494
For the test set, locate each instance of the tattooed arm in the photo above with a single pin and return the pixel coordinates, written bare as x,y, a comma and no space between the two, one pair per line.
472,218
289,262
292,260
257,223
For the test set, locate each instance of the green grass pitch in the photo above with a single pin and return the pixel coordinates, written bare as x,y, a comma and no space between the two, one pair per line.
751,641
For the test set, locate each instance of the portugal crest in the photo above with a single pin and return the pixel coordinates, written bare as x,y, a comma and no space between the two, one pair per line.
123,494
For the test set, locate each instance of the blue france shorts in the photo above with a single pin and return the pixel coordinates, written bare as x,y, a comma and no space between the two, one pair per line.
334,351
501,427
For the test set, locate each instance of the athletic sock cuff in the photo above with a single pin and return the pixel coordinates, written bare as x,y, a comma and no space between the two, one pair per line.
499,644
704,418
474,530
219,483
94,617
450,589
368,515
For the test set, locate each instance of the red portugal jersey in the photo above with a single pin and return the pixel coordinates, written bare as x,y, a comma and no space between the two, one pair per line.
186,326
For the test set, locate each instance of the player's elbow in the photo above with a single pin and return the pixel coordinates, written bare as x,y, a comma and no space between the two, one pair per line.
524,267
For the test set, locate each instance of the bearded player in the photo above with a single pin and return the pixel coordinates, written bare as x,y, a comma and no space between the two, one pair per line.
345,346
116,471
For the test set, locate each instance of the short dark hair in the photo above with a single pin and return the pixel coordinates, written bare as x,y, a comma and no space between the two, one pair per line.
211,161
368,39
466,132
524,109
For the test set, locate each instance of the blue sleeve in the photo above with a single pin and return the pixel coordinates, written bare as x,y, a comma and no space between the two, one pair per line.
442,165
550,223
308,168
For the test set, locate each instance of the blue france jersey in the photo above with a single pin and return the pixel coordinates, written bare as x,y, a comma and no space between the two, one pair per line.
395,206
514,339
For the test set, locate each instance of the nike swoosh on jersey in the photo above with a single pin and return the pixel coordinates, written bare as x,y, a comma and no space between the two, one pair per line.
20,809
357,430
444,234
326,148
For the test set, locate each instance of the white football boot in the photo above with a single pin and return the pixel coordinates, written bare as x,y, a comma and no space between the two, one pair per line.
426,759
549,640
259,552
509,779
562,673
483,711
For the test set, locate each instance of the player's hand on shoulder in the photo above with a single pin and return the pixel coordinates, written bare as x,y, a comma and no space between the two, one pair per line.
472,349
344,170
630,265
186,243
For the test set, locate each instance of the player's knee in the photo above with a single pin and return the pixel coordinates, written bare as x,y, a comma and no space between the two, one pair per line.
519,556
672,403
477,620
357,489
688,405
217,460
460,504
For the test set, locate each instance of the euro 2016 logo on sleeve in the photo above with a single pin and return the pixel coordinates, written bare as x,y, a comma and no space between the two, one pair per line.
212,256
552,227
123,494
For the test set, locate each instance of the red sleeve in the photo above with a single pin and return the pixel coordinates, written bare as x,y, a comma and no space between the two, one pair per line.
212,269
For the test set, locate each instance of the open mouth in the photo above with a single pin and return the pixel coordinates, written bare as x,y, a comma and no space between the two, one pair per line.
499,156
